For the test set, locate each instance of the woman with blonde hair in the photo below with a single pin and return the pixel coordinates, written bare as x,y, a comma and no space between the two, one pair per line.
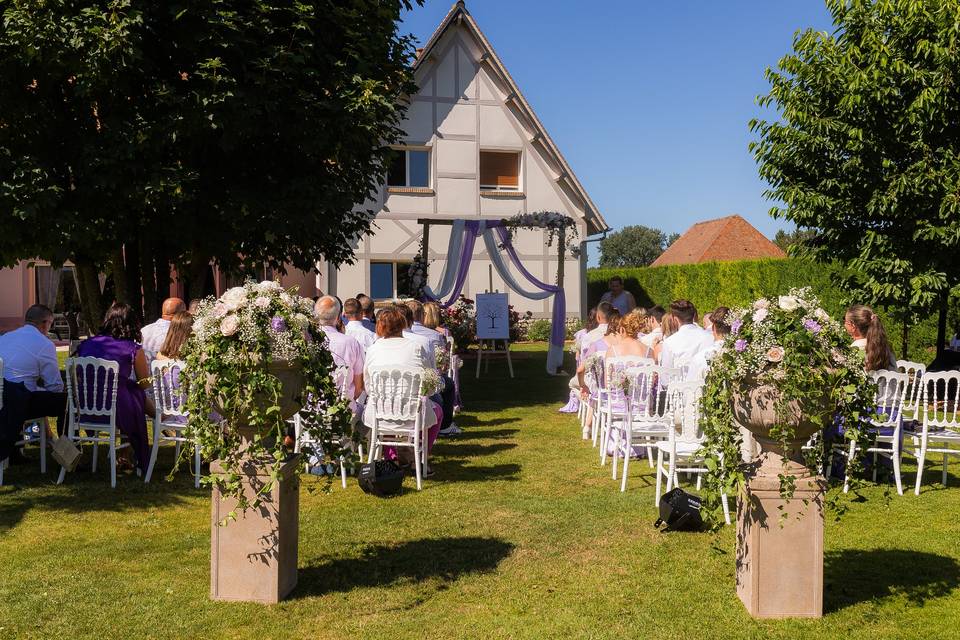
181,326
866,329
626,341
433,318
669,324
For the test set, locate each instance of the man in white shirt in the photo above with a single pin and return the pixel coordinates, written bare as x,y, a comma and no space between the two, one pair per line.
720,329
680,348
32,385
355,327
155,333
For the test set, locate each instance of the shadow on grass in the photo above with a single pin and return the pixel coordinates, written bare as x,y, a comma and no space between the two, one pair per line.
852,576
26,489
453,449
380,565
455,470
487,434
471,421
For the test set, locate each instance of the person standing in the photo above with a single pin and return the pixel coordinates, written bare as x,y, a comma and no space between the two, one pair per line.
155,333
621,299
32,385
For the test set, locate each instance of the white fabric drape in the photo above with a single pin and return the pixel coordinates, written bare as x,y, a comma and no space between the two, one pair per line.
501,266
452,264
48,285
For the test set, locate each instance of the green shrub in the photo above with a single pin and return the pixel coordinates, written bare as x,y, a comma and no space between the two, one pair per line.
733,284
539,331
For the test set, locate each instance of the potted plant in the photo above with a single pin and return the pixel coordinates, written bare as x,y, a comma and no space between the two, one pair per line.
255,358
786,373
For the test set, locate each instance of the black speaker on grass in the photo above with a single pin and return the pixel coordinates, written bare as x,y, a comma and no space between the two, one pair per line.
381,478
680,511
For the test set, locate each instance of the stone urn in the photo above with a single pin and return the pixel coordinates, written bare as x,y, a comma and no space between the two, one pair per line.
779,560
254,558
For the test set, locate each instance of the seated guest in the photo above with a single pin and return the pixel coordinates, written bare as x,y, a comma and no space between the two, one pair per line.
680,347
433,319
181,326
369,311
573,403
32,385
654,333
154,333
393,350
866,329
624,342
621,299
194,305
356,328
426,341
720,329
434,336
345,349
604,311
431,341
607,316
117,342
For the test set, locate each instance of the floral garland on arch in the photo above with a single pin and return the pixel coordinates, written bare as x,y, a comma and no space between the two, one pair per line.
792,344
417,272
558,226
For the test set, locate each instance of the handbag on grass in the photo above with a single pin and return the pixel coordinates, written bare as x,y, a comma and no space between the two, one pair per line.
65,453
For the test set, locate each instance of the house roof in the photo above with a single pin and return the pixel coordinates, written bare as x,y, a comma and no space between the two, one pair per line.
723,239
458,15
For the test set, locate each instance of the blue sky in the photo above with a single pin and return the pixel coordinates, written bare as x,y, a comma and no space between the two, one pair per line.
649,101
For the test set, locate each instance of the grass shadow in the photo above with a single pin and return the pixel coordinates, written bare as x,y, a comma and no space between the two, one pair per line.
453,449
852,576
488,434
456,470
446,559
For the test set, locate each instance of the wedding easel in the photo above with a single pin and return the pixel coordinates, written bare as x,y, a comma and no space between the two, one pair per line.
491,343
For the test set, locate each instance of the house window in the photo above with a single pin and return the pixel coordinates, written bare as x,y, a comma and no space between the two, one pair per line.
500,170
409,168
389,280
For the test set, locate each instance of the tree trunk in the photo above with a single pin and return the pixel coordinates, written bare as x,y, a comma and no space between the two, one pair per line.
199,266
131,254
942,322
119,273
91,304
161,266
904,335
147,278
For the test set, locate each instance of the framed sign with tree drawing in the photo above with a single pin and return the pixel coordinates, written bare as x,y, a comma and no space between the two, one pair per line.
493,316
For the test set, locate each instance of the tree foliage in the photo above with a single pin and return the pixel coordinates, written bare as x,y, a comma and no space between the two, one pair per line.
786,239
135,136
866,150
634,246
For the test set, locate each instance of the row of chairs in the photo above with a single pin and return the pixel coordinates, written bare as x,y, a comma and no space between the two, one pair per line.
916,404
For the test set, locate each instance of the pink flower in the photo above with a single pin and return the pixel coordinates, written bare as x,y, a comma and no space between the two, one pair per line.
229,325
220,310
775,354
760,315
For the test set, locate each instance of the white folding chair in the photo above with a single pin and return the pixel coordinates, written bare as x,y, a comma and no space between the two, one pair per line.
612,400
915,371
302,439
681,451
396,411
939,400
92,385
27,440
892,387
648,417
170,395
593,379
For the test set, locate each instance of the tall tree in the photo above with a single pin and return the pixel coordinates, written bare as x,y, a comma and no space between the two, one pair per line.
634,246
866,151
135,136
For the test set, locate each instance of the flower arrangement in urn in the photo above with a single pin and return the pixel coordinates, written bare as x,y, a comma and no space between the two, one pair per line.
802,361
256,356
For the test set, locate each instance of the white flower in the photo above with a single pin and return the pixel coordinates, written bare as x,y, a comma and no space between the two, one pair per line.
261,302
220,310
821,315
788,303
229,325
234,298
775,354
267,286
760,315
762,303
287,299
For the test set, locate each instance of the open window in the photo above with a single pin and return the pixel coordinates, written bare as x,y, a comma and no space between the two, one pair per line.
500,170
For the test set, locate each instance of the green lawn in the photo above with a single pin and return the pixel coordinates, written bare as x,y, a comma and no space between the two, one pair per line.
519,535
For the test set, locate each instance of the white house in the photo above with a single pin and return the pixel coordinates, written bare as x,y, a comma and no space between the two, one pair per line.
473,147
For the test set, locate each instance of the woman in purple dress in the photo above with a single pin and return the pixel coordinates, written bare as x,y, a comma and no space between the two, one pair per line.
117,342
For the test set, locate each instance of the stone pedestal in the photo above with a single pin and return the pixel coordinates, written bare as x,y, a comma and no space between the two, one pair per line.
780,568
254,558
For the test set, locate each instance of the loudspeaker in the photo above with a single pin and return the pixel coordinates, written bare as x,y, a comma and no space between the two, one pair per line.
680,511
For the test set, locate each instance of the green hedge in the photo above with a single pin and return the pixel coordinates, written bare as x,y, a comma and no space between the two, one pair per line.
733,284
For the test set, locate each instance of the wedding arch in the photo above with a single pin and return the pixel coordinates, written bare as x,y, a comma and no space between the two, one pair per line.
498,238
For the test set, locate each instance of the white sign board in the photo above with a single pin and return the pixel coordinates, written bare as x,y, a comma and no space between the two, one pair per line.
493,316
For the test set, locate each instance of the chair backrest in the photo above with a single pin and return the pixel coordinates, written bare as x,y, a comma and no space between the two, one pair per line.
394,392
341,378
892,387
169,387
685,406
593,373
683,364
940,397
92,385
1,383
648,400
915,370
615,368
